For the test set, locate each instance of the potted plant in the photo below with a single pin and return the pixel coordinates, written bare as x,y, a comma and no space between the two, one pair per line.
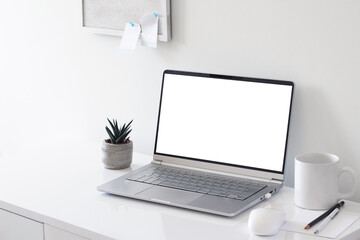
118,149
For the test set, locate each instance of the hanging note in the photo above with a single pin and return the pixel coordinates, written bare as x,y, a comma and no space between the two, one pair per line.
129,38
149,29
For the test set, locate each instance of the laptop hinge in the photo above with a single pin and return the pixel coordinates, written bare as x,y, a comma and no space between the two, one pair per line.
159,162
277,181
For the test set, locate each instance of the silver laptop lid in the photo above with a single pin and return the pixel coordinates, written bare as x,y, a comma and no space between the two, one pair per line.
231,124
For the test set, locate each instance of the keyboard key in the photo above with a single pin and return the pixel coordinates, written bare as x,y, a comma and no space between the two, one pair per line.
231,196
204,190
241,198
133,177
150,180
156,182
212,192
190,188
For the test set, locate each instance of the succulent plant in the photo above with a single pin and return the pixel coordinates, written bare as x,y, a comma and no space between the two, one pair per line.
118,134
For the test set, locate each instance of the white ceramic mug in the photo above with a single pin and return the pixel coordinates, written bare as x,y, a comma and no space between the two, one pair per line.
317,180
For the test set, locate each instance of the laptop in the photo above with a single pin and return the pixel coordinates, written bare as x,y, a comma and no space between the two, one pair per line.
220,144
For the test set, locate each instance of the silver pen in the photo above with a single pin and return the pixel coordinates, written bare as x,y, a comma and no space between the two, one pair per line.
327,220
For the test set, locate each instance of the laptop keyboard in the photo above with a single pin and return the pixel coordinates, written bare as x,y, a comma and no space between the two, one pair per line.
240,189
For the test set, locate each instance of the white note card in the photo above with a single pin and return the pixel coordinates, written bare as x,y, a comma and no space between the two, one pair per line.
129,38
149,29
346,216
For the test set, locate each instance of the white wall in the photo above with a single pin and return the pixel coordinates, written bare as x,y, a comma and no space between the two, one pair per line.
59,82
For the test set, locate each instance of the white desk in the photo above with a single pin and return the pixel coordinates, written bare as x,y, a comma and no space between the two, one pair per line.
57,187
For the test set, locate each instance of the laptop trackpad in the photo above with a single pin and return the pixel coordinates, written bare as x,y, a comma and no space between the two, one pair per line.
168,195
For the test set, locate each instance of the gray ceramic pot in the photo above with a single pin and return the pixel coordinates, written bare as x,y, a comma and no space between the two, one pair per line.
117,156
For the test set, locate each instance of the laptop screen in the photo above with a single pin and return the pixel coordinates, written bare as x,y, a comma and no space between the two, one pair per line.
234,121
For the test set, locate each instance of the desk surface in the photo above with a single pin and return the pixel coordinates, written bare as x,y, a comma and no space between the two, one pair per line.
57,186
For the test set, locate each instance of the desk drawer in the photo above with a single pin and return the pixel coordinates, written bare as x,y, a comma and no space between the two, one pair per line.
16,227
53,233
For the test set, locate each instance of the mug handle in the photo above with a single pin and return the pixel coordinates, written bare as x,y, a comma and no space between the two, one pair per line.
355,182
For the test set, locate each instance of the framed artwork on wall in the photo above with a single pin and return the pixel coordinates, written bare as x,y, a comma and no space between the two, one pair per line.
110,16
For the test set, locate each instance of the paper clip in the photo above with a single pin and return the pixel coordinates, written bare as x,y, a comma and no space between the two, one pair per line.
131,23
155,14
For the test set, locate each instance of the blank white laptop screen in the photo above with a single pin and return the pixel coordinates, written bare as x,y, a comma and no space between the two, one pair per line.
228,121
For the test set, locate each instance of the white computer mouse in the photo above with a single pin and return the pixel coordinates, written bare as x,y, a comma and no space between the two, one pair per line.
266,221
